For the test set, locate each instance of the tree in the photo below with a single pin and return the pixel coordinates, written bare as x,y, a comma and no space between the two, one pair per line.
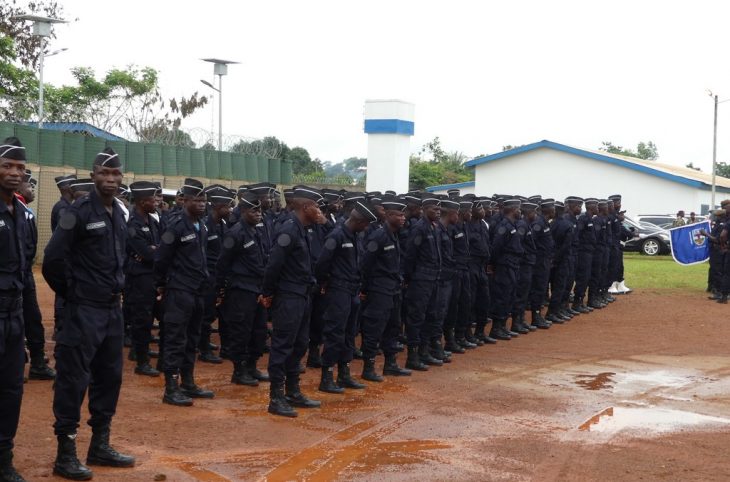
302,163
434,166
18,85
647,151
722,169
20,31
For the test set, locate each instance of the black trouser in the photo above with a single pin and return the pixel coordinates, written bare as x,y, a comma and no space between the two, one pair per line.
725,274
458,314
422,298
598,266
209,315
340,326
582,274
183,316
559,283
522,292
316,323
33,320
245,325
139,302
480,296
12,359
290,335
380,322
715,274
58,308
88,356
540,279
503,286
433,329
570,280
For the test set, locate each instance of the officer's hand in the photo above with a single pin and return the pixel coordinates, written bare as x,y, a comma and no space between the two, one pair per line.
323,289
138,258
160,293
703,232
363,296
220,297
490,269
265,301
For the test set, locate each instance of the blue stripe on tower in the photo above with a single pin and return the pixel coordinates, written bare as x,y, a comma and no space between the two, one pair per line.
389,126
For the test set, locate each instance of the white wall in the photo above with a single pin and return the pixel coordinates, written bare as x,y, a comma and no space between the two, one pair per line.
464,190
558,174
388,154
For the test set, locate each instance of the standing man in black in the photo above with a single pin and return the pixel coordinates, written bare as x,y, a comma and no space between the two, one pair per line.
239,274
287,288
84,263
12,269
479,251
545,244
586,233
181,276
220,199
67,197
139,291
338,273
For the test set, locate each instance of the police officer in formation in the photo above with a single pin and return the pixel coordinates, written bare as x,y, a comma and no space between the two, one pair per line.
429,270
718,283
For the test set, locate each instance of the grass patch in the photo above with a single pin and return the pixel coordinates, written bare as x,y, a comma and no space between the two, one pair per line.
663,272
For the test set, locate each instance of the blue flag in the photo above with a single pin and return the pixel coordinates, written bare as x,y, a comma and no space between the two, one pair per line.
689,246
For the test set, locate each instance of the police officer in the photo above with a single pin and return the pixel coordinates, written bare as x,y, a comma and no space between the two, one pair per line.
381,293
13,228
433,329
545,245
527,263
625,234
84,263
458,315
421,271
338,274
586,233
287,285
220,199
139,290
600,261
479,253
181,276
239,274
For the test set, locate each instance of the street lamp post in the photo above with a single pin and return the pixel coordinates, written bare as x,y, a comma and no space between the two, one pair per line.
220,68
41,28
714,156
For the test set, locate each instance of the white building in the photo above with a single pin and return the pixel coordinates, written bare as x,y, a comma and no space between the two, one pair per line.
556,170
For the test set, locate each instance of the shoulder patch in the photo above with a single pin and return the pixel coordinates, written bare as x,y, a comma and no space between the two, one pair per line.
501,230
372,246
229,242
168,237
187,237
520,230
330,244
283,240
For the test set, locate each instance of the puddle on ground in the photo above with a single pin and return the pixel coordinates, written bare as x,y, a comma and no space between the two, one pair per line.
646,419
595,382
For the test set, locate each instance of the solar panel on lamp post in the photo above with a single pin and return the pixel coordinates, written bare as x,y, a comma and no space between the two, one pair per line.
220,68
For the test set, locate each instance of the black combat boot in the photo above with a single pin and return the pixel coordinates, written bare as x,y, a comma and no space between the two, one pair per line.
242,376
498,331
471,338
173,394
101,453
518,324
189,388
714,296
451,344
538,321
314,360
391,368
555,318
255,372
277,401
206,351
460,336
437,351
595,303
344,378
39,369
722,299
414,360
7,471
295,396
368,371
67,463
327,382
424,353
143,365
480,335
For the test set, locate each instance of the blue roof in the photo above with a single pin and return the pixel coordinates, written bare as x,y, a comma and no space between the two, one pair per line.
79,128
617,161
445,187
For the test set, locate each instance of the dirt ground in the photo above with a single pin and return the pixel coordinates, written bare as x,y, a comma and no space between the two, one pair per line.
638,391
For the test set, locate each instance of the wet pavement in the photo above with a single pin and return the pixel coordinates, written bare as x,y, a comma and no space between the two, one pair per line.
587,400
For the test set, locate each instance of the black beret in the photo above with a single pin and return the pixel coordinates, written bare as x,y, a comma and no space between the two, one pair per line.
143,189
365,211
85,185
64,181
191,187
249,200
217,194
107,158
11,148
512,203
393,203
306,192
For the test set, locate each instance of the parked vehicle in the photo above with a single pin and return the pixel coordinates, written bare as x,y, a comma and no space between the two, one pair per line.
651,241
664,221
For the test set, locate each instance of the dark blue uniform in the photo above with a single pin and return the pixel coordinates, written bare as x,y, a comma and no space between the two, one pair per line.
239,273
421,271
317,234
289,278
34,333
12,353
527,264
216,234
181,268
563,231
586,234
337,271
140,294
507,252
479,253
545,246
58,209
574,247
84,263
600,257
458,315
380,315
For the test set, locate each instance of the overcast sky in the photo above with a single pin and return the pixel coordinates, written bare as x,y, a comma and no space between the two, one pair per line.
481,74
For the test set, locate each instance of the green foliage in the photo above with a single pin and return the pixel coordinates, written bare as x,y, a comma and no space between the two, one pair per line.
352,168
271,147
18,86
434,166
27,46
647,151
722,169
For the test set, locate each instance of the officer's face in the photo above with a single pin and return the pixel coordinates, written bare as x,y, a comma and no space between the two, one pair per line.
252,216
26,190
265,202
549,213
11,174
148,204
432,213
531,215
223,210
395,219
195,206
379,212
466,215
312,214
107,180
478,213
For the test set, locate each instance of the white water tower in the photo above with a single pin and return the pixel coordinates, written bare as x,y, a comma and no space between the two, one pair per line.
389,125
